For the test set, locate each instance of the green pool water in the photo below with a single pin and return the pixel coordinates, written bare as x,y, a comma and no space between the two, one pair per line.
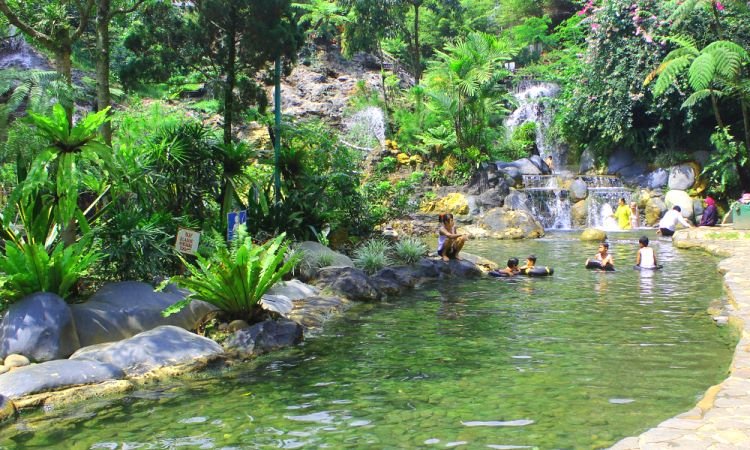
578,360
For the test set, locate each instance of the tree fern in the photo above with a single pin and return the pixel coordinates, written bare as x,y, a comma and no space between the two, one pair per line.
699,96
702,71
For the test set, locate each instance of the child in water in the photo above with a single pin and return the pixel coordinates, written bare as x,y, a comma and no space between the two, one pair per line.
530,263
603,257
646,257
509,271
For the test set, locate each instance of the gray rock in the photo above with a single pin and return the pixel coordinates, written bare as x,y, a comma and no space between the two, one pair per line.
313,250
540,164
517,200
634,173
39,326
579,214
122,310
492,198
681,177
163,346
513,223
512,173
701,157
682,199
619,160
264,337
527,167
657,179
293,289
52,375
579,190
392,280
348,282
588,161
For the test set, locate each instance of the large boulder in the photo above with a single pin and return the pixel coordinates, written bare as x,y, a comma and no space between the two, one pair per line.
161,347
511,224
657,179
579,214
682,199
540,164
681,177
454,203
392,280
588,161
312,312
313,251
492,198
579,190
53,375
511,173
620,160
517,200
264,337
527,167
40,327
593,234
348,282
654,210
121,310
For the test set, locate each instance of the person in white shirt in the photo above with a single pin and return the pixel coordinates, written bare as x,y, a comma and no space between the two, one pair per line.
668,223
646,257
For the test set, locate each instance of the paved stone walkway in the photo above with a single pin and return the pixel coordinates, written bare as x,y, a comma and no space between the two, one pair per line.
721,420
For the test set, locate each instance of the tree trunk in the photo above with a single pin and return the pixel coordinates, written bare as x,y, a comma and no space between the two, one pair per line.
381,56
64,66
417,52
103,96
715,106
231,79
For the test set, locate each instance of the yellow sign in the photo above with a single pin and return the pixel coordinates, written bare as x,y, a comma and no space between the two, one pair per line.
187,241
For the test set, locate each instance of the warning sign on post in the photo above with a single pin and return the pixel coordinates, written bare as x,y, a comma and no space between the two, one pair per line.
187,241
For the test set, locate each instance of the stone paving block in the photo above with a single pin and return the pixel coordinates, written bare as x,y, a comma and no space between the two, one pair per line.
630,443
681,424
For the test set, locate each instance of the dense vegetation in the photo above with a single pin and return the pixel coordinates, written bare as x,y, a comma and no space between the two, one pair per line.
661,78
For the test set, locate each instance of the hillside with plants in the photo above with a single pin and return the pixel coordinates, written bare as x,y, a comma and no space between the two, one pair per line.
152,116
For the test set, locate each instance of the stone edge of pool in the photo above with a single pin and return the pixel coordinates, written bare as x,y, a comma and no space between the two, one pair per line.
721,419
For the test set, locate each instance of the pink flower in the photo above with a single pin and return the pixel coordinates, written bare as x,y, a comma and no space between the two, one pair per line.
719,6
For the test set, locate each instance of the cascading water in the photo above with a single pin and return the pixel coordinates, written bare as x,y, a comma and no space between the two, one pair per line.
533,98
365,129
548,202
16,53
604,194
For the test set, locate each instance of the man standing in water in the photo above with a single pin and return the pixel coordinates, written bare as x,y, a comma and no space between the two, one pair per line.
669,222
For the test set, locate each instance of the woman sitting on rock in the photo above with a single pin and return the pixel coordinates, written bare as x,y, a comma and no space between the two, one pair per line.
450,243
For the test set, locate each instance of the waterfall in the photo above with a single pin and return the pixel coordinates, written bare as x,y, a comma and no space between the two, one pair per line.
16,53
551,205
365,129
548,202
604,193
533,98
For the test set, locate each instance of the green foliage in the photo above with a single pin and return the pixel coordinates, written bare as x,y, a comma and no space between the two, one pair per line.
463,86
234,279
139,245
387,199
28,268
409,250
721,168
521,144
387,165
372,256
68,147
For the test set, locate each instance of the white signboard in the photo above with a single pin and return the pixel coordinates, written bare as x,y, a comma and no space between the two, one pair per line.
187,241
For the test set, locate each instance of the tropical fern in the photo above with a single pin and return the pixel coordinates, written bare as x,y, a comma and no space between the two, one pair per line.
235,279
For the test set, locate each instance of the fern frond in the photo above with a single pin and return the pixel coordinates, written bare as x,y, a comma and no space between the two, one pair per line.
696,97
667,73
702,71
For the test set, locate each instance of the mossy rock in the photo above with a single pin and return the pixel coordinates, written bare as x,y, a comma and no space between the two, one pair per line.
593,234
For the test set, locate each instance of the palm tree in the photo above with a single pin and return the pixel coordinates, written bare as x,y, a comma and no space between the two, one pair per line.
464,85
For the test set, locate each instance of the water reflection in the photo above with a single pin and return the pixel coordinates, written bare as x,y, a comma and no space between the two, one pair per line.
646,279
